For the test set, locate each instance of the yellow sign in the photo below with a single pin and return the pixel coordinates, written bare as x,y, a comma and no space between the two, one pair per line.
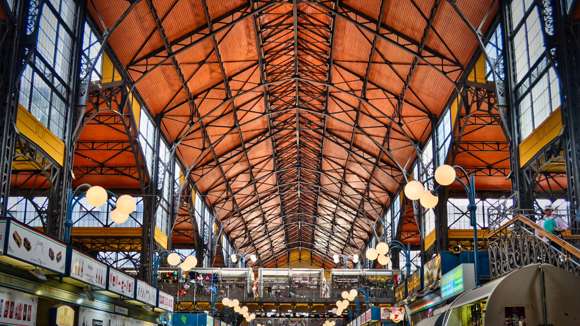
36,132
160,238
65,316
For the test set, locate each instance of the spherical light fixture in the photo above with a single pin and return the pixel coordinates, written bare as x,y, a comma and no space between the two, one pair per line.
384,260
234,258
235,303
372,254
344,294
253,258
119,217
185,267
353,293
252,316
191,261
345,304
382,248
173,259
226,302
445,175
355,258
336,258
237,309
97,196
414,189
126,204
428,200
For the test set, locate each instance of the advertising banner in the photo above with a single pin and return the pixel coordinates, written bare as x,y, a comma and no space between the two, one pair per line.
121,283
146,293
17,308
33,247
165,301
457,280
88,270
432,271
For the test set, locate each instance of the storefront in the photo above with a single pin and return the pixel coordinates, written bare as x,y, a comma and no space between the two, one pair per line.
533,295
44,282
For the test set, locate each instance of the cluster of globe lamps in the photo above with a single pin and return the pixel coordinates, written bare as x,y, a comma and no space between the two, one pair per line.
242,310
97,196
347,298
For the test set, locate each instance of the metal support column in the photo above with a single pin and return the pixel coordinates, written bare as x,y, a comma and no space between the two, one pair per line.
568,67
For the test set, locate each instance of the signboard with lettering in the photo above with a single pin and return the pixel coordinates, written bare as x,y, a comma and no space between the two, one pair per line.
432,271
165,301
146,293
88,270
17,308
121,283
457,280
33,247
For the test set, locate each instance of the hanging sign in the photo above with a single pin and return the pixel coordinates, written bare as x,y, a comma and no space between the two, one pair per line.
88,270
146,293
121,283
397,314
17,308
65,316
165,301
33,247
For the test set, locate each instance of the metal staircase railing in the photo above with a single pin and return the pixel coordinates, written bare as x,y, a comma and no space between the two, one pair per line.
520,242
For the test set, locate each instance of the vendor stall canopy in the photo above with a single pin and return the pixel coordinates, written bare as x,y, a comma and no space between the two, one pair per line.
295,119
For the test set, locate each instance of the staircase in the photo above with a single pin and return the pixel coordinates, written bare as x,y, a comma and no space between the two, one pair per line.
518,241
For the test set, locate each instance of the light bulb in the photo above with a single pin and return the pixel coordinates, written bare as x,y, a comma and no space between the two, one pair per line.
382,248
191,261
119,217
384,260
234,258
353,293
126,204
428,200
445,175
355,259
97,196
173,259
372,254
414,189
344,294
253,258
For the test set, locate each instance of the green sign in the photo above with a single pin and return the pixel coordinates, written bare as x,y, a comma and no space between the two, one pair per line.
452,283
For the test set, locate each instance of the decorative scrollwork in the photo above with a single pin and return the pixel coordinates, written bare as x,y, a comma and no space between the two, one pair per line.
519,247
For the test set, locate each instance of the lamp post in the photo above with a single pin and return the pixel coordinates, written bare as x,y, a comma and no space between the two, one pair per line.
383,249
445,175
97,196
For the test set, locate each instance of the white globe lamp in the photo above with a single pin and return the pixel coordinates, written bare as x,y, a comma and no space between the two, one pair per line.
253,258
97,196
372,254
382,248
119,217
384,260
173,259
414,189
428,200
126,204
445,175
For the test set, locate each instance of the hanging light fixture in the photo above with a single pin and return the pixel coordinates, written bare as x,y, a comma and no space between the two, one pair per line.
336,258
253,258
191,261
355,258
173,259
428,200
97,196
353,293
445,175
344,294
382,248
372,254
384,260
234,258
126,204
226,302
235,303
119,217
414,189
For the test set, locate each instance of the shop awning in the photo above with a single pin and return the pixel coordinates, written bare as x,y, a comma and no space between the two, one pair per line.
431,321
476,294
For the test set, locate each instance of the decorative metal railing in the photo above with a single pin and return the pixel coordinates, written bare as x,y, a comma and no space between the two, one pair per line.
521,242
